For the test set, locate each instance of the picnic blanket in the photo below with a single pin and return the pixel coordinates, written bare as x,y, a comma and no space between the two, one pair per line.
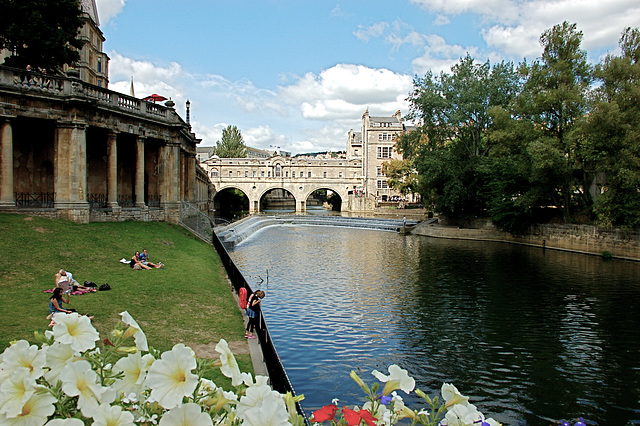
75,292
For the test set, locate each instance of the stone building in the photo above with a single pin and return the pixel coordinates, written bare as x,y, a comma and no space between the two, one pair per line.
93,65
374,145
74,150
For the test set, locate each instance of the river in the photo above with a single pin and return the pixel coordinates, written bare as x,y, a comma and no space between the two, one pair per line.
530,335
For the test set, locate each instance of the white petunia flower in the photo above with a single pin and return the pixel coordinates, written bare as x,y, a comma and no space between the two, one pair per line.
34,412
65,422
170,378
138,336
15,391
58,356
134,367
76,331
20,354
462,415
78,379
107,415
262,406
398,378
186,415
452,396
229,364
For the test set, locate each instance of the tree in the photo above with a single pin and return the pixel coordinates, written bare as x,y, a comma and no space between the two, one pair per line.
613,137
554,98
451,146
403,177
40,33
231,145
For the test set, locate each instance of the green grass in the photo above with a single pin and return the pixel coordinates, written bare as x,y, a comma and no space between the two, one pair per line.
190,301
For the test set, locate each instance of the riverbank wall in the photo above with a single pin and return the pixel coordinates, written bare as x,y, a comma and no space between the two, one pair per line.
583,239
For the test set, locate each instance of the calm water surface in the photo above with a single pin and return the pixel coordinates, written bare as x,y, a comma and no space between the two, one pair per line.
532,336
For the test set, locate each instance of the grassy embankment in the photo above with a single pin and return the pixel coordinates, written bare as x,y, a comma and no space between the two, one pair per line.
188,302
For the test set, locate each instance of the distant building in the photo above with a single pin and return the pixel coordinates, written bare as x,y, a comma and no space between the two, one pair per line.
203,153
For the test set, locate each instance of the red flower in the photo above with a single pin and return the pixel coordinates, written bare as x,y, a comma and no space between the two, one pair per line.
367,417
328,412
352,417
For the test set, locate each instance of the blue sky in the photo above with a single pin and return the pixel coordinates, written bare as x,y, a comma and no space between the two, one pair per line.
299,74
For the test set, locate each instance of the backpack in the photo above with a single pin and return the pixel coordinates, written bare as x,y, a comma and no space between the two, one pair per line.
105,287
243,298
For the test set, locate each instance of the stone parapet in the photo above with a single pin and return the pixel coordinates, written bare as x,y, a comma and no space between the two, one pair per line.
575,238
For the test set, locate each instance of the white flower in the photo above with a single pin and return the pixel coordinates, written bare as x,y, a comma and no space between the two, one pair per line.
65,422
58,356
262,406
462,415
398,378
76,331
15,392
229,364
34,412
186,415
452,396
170,378
134,367
20,354
78,379
107,415
138,336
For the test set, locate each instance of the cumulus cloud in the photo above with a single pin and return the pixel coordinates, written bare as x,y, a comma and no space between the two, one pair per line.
347,90
108,9
439,56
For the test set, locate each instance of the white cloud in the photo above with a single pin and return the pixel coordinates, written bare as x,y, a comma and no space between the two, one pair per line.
441,20
503,10
413,38
372,31
107,9
440,56
347,90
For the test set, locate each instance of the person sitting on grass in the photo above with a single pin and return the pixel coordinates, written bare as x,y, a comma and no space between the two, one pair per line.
64,280
144,258
136,263
55,304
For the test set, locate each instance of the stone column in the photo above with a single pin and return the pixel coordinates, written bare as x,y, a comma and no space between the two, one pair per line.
70,171
301,206
190,178
169,174
139,190
6,164
112,171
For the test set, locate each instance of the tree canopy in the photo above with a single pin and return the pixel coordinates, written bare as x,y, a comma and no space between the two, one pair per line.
40,33
555,138
231,145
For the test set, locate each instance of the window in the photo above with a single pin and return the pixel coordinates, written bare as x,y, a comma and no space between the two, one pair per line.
262,173
382,184
386,136
238,174
286,174
99,64
254,173
268,173
246,173
385,151
355,152
309,174
278,170
324,175
293,174
214,173
230,173
340,174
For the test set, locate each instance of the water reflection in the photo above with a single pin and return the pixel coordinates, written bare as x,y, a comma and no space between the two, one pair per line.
530,335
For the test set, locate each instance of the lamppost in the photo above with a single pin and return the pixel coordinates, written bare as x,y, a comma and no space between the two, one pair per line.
188,113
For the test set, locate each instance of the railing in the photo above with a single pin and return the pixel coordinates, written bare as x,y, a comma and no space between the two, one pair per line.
98,201
126,200
153,200
277,374
73,87
41,199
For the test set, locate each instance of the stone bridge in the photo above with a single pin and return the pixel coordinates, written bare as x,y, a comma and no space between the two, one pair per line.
300,177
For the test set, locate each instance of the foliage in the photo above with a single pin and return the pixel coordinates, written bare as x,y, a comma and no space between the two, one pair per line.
122,381
402,175
231,145
612,136
451,147
42,33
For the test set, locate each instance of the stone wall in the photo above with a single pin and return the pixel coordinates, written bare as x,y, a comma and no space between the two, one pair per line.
576,238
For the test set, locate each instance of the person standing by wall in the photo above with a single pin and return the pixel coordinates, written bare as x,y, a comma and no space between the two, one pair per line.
253,313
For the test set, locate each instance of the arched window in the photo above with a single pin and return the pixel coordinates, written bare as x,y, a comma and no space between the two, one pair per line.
278,170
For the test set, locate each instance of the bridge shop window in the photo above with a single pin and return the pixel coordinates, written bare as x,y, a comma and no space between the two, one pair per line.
340,174
293,174
255,173
309,174
262,173
230,173
246,173
324,175
385,151
278,170
286,174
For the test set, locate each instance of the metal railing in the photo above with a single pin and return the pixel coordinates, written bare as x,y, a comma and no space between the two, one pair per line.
277,374
38,199
98,201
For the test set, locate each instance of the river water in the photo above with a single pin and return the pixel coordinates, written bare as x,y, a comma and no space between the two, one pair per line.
530,335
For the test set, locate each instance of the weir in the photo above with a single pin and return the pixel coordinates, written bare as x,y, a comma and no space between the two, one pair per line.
233,234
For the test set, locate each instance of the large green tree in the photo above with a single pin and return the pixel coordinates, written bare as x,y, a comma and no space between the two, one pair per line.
450,150
612,132
554,98
231,145
40,33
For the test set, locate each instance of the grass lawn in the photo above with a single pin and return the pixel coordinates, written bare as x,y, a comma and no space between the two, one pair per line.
190,301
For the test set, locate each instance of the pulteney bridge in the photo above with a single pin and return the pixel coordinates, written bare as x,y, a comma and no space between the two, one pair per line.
300,177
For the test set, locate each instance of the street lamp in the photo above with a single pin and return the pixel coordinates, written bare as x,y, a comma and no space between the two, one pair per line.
188,113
